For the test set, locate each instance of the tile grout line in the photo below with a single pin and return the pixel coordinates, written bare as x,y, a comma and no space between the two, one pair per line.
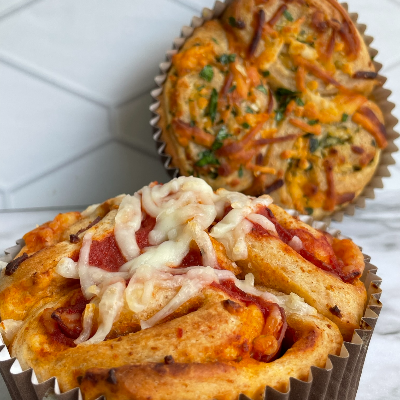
76,157
14,9
53,82
137,148
134,98
188,6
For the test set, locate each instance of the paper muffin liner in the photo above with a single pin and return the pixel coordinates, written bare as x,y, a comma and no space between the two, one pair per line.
379,94
337,381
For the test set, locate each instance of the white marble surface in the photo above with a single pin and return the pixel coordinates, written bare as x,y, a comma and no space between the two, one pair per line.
75,77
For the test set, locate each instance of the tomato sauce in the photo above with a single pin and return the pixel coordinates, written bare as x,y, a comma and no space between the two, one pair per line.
105,254
332,264
142,235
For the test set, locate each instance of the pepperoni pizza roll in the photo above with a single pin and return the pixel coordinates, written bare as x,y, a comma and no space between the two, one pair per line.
177,282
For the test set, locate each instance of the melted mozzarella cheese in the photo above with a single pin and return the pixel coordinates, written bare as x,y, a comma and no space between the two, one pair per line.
185,209
87,323
127,223
110,305
295,243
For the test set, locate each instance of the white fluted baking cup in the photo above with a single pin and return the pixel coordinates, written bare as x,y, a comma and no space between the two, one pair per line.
380,95
337,381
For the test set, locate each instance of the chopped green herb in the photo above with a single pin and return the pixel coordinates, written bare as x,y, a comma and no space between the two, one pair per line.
214,40
372,58
213,175
190,172
249,110
225,59
212,105
265,73
245,125
344,117
312,44
308,210
207,73
313,144
283,97
240,172
373,142
302,32
232,21
232,88
192,123
200,88
221,135
313,121
299,102
207,157
168,126
279,116
330,141
262,89
234,112
288,16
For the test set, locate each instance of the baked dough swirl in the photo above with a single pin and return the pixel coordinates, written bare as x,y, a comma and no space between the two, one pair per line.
209,294
276,98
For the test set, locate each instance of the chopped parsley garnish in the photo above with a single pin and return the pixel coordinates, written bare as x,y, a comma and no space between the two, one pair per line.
283,97
299,102
234,112
373,142
225,59
344,117
232,88
308,210
330,141
262,89
265,73
240,172
221,136
313,121
249,110
279,116
200,88
313,143
207,73
212,105
312,44
288,16
232,21
214,40
192,123
245,125
207,157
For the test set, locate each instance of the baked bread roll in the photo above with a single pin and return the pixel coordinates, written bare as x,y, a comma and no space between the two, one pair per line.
275,98
216,291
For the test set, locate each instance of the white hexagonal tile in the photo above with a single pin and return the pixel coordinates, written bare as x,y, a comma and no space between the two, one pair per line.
133,123
380,18
43,126
7,6
106,50
104,173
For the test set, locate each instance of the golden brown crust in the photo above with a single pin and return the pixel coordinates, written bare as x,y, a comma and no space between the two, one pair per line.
221,380
307,82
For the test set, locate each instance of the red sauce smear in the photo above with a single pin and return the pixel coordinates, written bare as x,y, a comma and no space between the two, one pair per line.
105,254
229,287
142,235
192,259
334,266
